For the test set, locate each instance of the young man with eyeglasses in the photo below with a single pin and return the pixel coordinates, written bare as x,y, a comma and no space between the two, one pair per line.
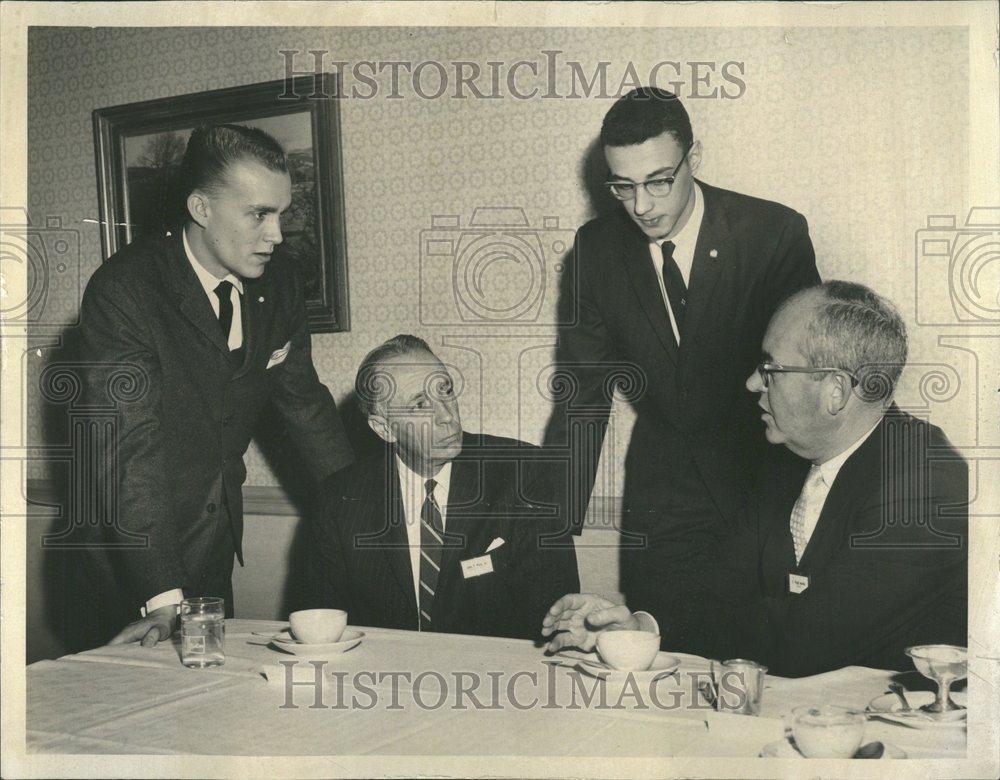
858,525
674,289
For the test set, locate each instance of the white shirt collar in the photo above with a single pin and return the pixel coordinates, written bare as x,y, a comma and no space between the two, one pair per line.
687,238
410,478
208,281
829,469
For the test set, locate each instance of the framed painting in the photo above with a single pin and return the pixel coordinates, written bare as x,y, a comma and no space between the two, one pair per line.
139,147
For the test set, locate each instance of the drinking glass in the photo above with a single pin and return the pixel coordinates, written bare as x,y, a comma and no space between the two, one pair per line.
739,686
944,664
203,632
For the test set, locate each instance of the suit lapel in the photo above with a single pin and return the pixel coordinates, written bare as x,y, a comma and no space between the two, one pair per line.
831,526
712,254
645,285
190,295
258,317
779,494
383,524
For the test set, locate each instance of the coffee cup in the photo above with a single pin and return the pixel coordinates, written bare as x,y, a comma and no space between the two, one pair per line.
318,626
628,651
827,731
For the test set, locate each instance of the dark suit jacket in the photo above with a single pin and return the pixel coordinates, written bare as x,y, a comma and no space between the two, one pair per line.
183,428
887,563
361,557
697,432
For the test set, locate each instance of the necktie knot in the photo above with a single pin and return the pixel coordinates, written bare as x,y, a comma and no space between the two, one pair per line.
667,248
814,479
224,291
429,486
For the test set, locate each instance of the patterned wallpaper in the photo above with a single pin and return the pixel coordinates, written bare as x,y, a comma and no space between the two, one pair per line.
863,131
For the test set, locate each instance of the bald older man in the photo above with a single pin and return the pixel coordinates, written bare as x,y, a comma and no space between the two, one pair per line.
858,531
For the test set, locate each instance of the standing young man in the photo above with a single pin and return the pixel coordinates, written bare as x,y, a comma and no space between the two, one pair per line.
675,289
215,327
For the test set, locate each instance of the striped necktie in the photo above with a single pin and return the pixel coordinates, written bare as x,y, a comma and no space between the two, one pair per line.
431,542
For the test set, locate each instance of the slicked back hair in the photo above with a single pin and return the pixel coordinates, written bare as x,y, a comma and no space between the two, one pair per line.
856,329
371,385
644,113
211,149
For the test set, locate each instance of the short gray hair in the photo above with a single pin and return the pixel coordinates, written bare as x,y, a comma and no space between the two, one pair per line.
856,329
371,385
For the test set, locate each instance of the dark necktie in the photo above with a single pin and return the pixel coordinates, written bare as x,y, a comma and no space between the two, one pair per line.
224,292
674,282
431,542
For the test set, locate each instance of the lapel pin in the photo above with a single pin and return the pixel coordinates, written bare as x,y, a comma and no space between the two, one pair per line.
260,299
713,253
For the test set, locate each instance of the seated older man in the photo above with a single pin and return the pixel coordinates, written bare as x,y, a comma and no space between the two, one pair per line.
857,538
443,530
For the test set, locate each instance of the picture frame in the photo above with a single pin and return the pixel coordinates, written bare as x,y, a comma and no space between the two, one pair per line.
139,146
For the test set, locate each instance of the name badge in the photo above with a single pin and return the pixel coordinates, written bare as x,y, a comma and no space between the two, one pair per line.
476,567
797,583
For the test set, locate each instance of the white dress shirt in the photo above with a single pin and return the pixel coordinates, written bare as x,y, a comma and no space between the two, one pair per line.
209,283
828,471
411,485
684,245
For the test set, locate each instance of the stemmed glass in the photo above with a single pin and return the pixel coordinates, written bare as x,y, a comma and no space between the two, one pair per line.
944,664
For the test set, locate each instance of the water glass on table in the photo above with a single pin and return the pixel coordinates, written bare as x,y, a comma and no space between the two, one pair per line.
203,632
739,686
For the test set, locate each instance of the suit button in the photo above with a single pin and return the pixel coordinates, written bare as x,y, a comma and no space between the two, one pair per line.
210,508
227,419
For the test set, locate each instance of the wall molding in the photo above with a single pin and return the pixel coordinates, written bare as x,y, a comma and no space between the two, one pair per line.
268,500
273,501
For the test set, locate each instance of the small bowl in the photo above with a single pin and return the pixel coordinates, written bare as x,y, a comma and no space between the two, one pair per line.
828,731
318,626
628,651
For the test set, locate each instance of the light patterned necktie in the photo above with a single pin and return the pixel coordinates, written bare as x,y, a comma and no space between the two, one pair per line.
431,542
805,507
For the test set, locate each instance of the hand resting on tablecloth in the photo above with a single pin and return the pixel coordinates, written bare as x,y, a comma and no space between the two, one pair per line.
155,627
580,617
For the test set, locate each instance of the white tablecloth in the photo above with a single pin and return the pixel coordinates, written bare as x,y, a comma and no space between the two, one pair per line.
129,699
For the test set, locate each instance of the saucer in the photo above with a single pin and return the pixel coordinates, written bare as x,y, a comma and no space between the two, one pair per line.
663,664
888,707
284,640
782,748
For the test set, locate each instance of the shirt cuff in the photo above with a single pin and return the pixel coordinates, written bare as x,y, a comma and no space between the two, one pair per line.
647,622
175,596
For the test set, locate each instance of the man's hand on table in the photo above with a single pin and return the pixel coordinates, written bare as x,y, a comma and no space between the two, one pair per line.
155,627
580,617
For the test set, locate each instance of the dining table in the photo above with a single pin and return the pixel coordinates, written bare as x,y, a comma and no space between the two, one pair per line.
410,693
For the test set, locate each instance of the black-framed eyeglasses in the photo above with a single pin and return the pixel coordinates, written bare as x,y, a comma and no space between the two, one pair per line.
658,187
765,369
